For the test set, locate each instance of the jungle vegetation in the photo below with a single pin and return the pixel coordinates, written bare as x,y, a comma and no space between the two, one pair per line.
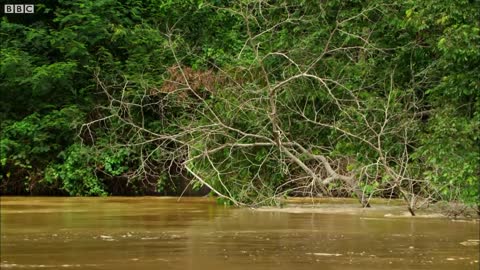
256,100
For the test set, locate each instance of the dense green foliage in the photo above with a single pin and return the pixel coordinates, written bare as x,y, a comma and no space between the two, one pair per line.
250,98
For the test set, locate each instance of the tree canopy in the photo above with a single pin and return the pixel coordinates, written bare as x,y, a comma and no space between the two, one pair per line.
255,100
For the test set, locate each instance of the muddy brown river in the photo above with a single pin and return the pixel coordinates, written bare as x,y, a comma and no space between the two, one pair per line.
195,233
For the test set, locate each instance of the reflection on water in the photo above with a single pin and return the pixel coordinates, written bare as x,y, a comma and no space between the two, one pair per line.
195,233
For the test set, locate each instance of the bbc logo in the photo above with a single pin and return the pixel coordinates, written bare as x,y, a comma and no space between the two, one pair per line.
19,9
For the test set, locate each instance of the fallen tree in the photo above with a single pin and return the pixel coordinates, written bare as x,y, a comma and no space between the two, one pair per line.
284,118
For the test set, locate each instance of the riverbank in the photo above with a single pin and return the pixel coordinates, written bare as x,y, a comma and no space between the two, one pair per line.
380,207
388,208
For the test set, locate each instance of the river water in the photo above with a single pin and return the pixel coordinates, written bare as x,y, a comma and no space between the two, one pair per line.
195,233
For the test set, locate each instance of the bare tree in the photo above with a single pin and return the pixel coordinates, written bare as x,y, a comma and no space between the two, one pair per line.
385,126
